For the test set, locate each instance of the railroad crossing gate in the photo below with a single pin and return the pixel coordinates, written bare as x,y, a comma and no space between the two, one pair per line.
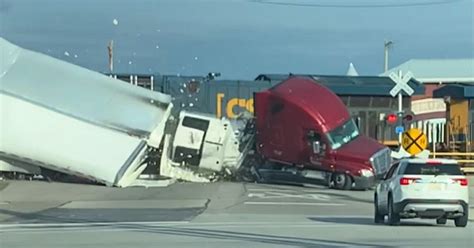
414,141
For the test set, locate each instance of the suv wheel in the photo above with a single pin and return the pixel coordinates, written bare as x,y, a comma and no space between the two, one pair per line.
378,218
342,181
393,217
441,221
462,221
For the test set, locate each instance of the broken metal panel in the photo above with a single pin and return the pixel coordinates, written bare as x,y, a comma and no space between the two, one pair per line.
48,139
197,141
83,94
238,142
226,144
202,149
174,170
188,139
216,146
203,142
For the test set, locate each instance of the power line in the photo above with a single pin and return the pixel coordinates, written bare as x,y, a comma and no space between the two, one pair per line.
382,5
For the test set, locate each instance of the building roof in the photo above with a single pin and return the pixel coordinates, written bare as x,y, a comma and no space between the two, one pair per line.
459,91
351,71
438,70
350,85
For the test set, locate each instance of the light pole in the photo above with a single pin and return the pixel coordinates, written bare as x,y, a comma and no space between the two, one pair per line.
387,46
110,48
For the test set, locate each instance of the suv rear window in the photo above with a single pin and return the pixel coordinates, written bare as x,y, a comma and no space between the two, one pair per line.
433,169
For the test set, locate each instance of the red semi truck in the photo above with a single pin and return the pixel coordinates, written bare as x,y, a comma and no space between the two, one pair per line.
304,130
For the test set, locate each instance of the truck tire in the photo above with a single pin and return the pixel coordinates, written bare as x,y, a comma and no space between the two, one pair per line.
378,217
462,221
342,181
393,217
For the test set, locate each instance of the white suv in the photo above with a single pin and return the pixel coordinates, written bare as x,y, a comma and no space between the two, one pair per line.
423,188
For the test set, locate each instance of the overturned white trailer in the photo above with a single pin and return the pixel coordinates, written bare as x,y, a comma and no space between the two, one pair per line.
66,118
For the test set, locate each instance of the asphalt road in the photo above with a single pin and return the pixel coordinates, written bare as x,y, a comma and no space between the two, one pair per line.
34,214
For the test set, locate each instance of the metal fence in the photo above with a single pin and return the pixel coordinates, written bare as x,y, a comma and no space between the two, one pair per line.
465,159
460,138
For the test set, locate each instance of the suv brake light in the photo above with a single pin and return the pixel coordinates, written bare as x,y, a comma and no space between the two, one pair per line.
462,181
433,162
408,180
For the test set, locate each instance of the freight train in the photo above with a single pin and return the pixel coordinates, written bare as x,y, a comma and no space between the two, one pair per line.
366,97
459,100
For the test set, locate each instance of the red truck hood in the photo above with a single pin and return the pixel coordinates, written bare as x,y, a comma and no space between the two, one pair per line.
359,150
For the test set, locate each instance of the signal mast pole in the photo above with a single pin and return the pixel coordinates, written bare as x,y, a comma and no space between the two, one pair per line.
400,109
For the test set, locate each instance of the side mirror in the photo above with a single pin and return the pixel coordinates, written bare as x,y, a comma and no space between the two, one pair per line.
316,147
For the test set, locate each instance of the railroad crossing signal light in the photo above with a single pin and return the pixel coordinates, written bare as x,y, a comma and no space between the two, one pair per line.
391,118
408,118
396,117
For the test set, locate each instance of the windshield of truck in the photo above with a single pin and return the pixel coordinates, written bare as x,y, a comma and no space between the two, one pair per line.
343,134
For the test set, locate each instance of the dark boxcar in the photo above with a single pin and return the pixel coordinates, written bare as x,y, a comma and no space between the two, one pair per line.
367,97
224,98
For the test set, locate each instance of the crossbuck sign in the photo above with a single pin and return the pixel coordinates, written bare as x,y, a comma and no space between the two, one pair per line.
401,83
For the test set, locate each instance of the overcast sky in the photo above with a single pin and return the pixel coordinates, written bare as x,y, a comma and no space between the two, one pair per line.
241,38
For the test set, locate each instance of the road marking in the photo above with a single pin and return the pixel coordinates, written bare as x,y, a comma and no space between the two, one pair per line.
26,231
115,227
295,203
280,195
187,223
272,190
302,190
88,224
286,190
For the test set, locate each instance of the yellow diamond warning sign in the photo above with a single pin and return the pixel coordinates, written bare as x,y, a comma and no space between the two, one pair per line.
414,141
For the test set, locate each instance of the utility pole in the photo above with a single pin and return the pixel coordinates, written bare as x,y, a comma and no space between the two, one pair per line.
110,48
400,108
387,46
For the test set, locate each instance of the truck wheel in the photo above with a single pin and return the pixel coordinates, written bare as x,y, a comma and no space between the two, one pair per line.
342,181
462,221
441,221
393,217
378,218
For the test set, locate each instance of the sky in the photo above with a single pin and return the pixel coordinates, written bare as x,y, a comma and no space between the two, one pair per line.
241,38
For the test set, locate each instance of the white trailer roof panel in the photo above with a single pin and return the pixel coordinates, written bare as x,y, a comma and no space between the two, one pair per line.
79,92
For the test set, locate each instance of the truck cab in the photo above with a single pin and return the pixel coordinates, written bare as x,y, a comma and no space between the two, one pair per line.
304,125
